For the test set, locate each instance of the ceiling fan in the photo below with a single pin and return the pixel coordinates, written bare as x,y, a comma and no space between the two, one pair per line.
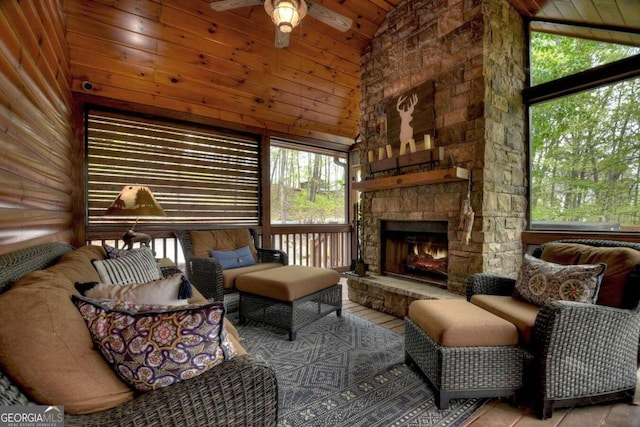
286,14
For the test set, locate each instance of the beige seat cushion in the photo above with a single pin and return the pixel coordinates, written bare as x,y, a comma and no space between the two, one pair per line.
203,241
620,262
236,342
229,276
76,266
287,283
522,314
456,323
45,346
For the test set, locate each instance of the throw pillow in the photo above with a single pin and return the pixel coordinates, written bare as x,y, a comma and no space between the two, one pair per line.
540,282
174,290
46,349
241,257
139,267
153,346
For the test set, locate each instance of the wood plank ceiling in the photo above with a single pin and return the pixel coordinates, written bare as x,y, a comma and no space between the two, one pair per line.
591,19
183,56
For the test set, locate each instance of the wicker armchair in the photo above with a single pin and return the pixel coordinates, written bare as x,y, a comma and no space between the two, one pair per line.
582,353
240,392
206,273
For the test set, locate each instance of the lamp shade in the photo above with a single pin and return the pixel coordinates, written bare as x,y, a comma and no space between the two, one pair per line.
285,16
136,201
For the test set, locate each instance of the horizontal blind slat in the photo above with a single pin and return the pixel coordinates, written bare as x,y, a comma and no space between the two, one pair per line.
206,148
197,174
146,161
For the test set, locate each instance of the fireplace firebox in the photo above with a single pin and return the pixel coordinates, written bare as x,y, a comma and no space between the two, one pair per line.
416,250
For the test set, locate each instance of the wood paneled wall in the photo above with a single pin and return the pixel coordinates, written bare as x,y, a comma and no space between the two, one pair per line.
36,160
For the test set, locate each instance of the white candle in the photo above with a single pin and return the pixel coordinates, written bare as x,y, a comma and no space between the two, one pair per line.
389,152
370,156
427,141
403,148
380,153
412,145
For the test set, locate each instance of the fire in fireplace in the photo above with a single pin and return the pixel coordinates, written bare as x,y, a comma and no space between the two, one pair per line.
417,250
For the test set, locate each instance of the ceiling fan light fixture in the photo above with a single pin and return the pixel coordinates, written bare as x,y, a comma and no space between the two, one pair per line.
285,15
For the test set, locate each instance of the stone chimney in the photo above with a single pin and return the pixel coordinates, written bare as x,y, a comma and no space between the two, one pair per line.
474,52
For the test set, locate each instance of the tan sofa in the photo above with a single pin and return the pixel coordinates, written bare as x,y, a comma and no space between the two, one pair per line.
582,353
47,356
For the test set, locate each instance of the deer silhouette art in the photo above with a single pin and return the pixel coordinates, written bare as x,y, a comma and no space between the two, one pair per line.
406,115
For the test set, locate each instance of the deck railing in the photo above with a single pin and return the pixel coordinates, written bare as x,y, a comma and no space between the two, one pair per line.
327,246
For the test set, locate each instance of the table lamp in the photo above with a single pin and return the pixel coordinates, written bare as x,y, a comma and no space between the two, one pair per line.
135,201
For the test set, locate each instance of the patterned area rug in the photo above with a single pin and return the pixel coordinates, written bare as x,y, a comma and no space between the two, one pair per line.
346,371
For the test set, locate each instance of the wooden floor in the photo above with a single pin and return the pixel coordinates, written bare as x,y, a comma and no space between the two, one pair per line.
500,413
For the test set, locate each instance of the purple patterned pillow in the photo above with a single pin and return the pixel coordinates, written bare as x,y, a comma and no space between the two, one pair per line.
540,282
152,346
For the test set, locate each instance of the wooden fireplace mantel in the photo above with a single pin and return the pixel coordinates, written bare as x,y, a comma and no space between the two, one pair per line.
437,176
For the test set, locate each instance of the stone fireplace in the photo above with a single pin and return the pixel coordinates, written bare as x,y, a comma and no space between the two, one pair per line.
474,52
416,250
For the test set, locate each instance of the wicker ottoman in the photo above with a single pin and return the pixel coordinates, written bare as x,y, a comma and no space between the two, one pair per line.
289,297
462,350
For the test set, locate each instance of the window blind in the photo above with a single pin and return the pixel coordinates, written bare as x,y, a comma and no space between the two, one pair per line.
198,175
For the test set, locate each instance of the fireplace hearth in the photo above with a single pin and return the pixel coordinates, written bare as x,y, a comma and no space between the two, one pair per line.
415,250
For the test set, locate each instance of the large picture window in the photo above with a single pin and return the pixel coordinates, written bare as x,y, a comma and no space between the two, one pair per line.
199,175
585,146
307,185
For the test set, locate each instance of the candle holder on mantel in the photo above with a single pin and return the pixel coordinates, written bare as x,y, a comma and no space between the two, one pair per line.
430,156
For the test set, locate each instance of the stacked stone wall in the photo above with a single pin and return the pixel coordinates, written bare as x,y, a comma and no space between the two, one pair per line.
471,49
505,170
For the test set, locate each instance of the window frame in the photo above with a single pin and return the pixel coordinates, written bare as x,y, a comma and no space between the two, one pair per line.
324,150
603,75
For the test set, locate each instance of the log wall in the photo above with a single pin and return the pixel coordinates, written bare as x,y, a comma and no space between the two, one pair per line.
36,140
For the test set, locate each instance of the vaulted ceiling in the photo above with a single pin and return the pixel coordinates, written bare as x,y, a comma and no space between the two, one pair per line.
181,55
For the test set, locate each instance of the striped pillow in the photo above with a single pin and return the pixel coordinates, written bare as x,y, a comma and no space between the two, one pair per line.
139,267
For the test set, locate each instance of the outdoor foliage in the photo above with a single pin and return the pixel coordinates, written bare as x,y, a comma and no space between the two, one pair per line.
307,187
585,147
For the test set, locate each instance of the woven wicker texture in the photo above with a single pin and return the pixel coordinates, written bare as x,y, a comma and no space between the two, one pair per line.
205,273
464,371
291,315
240,392
583,353
16,264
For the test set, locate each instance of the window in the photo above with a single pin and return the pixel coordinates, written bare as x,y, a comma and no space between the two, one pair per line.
307,185
199,175
585,143
556,56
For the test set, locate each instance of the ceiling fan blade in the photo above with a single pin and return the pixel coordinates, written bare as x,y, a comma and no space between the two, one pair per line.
221,6
329,17
282,39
